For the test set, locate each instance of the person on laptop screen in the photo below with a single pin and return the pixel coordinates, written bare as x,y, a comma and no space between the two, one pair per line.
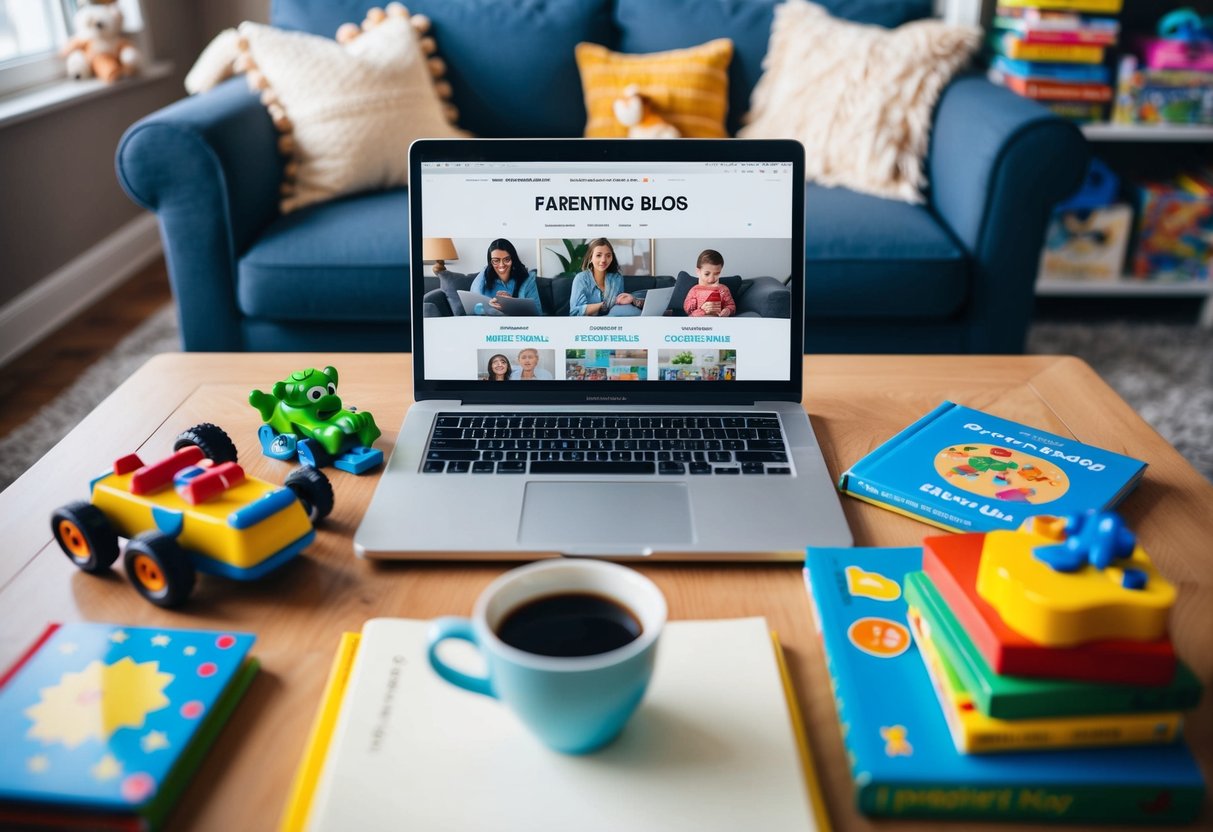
528,360
710,297
499,368
598,288
506,274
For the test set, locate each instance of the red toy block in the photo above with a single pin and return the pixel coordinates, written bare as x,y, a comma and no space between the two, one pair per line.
151,478
951,563
126,464
212,483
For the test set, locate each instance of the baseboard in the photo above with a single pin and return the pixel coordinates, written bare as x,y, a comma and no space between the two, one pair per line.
44,307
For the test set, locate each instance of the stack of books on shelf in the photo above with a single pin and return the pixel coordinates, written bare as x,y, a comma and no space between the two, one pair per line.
948,711
1053,51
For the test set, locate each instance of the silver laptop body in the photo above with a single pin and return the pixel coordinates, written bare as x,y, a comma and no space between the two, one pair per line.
535,467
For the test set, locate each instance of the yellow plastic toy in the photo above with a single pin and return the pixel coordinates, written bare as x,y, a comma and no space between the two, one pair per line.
1063,581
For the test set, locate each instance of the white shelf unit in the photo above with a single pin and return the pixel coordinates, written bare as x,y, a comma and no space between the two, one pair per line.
1129,286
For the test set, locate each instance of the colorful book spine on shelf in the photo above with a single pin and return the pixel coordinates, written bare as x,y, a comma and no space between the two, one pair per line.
1012,46
1052,90
1055,73
1061,29
1081,6
952,564
1008,697
974,732
965,470
903,761
104,725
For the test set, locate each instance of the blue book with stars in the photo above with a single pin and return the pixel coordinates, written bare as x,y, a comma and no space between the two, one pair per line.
103,725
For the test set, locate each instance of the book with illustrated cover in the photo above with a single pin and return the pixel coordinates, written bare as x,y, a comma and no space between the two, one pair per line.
717,744
1021,697
976,733
103,725
964,470
903,761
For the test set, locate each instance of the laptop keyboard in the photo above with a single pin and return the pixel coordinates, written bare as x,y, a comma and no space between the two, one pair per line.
719,444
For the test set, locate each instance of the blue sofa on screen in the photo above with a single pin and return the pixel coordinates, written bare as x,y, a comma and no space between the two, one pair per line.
953,275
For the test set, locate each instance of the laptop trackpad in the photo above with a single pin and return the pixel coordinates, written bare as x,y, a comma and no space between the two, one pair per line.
576,517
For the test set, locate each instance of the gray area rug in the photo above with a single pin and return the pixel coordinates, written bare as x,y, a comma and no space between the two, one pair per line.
1165,371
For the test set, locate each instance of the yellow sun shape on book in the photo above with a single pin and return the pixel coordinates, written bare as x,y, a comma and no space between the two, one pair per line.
97,701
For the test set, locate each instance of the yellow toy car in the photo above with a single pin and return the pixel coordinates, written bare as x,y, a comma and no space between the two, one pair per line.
194,510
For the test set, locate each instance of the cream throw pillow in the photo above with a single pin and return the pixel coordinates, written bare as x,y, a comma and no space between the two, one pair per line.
347,110
859,97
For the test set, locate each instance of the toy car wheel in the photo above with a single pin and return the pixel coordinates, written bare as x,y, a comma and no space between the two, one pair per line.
313,489
211,439
160,569
85,535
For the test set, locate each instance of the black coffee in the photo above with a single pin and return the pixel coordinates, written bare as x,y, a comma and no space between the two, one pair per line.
571,624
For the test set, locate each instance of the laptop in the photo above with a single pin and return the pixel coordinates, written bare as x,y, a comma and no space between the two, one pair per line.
616,435
509,306
657,301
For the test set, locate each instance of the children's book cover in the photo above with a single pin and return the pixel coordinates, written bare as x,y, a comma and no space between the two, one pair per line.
903,761
952,564
964,470
112,719
1022,697
976,733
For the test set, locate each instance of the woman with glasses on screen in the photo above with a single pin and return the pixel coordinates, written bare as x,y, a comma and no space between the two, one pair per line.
506,274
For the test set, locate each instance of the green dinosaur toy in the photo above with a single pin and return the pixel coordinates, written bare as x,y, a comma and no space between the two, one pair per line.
307,405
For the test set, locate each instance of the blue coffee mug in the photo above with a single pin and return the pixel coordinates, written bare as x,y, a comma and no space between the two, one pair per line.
573,704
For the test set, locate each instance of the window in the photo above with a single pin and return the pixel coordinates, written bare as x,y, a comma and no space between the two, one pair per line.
32,33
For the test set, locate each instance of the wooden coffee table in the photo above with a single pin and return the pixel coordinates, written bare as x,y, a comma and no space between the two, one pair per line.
299,613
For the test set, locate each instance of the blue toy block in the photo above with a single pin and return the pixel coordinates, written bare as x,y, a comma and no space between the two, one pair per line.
359,459
276,445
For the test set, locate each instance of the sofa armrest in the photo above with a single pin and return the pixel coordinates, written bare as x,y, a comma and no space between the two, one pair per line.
209,167
998,164
767,297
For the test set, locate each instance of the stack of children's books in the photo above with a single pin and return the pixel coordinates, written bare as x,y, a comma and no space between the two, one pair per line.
964,692
1053,51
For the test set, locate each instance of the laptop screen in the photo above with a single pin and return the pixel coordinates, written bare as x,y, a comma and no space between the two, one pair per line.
628,271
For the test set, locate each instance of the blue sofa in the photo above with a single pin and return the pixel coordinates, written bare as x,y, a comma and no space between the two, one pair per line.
953,275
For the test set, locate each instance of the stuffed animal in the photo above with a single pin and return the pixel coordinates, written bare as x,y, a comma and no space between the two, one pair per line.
98,48
639,114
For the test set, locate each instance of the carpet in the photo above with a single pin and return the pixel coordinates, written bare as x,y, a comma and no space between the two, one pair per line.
1164,371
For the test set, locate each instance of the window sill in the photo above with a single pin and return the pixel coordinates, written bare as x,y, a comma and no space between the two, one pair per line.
55,96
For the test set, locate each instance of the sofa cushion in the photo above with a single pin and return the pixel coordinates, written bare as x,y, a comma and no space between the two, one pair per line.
647,26
452,283
911,268
687,87
510,64
345,260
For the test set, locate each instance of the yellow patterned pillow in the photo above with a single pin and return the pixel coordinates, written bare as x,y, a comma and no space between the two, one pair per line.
688,87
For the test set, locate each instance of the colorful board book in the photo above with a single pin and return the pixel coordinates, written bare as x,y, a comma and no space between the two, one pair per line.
903,762
974,732
103,725
1012,46
1022,697
952,564
964,470
717,744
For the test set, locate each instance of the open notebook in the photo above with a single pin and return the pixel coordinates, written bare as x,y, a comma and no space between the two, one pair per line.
714,746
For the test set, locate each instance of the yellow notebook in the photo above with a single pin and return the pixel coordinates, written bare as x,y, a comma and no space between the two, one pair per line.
717,744
975,733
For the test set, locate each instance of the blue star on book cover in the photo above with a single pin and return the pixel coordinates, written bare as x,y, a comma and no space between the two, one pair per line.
100,713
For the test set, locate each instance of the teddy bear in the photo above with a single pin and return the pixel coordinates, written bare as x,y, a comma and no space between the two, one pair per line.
638,113
98,47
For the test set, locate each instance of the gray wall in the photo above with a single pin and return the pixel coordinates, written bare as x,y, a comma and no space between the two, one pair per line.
59,195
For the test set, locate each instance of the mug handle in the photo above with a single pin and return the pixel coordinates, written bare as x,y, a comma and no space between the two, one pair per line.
452,626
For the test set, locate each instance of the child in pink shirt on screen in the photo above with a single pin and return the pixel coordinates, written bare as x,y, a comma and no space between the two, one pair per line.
709,297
